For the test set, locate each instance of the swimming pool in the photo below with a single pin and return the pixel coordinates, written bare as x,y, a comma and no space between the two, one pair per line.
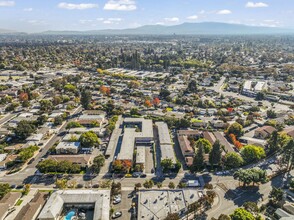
69,215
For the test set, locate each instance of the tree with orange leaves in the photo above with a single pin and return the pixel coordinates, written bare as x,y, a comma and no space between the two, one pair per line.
234,140
147,103
156,101
23,96
105,90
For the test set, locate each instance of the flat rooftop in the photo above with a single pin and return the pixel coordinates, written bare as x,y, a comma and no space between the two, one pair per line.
156,204
56,202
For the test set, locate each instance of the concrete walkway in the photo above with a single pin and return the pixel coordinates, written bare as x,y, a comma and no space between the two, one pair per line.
26,199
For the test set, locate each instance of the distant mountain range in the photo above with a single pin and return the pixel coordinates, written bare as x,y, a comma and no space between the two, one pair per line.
204,28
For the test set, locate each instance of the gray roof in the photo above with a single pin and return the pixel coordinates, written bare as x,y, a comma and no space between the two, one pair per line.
167,152
54,205
163,132
156,204
141,153
127,145
68,145
130,135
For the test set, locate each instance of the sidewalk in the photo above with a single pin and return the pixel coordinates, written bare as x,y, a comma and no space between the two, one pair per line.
26,199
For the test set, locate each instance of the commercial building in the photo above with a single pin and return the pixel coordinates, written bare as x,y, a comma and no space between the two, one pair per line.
157,204
96,202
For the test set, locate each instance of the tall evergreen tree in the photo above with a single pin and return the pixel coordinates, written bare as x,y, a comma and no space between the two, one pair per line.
86,98
215,154
198,161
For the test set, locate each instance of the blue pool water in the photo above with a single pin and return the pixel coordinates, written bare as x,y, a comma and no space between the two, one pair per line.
69,215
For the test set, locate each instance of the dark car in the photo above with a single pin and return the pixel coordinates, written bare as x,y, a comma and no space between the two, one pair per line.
135,175
31,161
143,176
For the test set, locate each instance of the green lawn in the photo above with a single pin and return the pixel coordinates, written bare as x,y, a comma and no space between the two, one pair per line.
19,202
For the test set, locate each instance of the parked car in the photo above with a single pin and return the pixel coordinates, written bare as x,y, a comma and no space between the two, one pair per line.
31,161
135,175
116,215
290,198
143,175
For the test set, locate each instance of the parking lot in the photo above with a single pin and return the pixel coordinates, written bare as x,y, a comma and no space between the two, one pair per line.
125,205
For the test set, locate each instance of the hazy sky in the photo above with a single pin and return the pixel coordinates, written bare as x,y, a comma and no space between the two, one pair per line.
40,15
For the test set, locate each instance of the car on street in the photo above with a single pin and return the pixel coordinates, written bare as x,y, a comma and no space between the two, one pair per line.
290,198
116,215
116,199
135,175
143,175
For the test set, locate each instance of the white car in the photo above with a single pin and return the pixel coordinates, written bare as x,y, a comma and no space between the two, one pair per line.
116,215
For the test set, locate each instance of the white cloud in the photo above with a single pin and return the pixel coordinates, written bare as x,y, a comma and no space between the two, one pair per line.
109,20
120,5
173,19
28,9
192,17
114,19
7,3
71,6
224,12
159,23
256,5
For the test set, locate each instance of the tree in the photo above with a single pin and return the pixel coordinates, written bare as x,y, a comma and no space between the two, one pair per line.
23,96
242,214
46,105
224,217
104,90
164,93
288,154
86,98
89,139
156,102
233,160
251,207
98,162
276,195
42,119
271,114
26,189
27,153
134,84
147,103
235,129
198,161
167,165
148,184
172,216
137,186
24,129
206,145
61,183
248,176
260,96
4,189
273,142
69,88
252,153
171,185
215,154
58,120
73,124
192,86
